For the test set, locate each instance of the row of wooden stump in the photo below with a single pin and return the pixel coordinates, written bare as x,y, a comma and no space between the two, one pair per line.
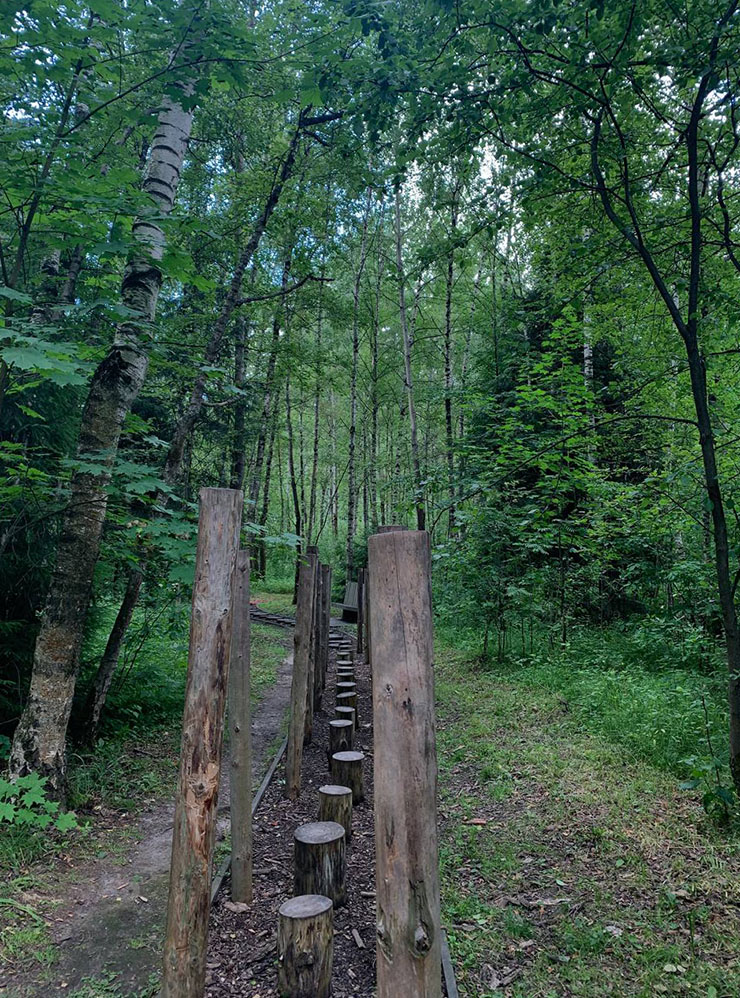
305,922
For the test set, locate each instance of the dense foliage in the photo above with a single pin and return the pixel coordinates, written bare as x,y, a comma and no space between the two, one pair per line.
427,263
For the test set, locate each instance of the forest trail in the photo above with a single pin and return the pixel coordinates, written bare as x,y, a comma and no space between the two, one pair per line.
111,921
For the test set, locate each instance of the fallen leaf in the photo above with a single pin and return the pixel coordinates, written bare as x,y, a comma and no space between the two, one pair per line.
236,906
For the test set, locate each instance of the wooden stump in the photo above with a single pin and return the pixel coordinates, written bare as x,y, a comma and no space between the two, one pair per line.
348,700
340,738
305,947
347,714
335,804
345,686
320,863
346,770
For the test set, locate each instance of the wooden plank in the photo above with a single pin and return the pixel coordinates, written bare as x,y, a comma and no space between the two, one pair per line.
409,960
240,738
448,970
186,936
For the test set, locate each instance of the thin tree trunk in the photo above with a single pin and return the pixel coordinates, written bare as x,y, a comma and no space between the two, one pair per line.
408,379
449,429
109,660
316,412
293,483
188,418
352,474
261,547
374,379
267,401
40,737
238,453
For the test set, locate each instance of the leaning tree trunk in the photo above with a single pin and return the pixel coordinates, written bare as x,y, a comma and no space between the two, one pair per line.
109,659
40,737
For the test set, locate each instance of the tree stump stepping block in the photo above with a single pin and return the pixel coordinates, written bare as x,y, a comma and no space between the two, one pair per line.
347,714
320,861
341,738
346,770
335,804
348,700
305,946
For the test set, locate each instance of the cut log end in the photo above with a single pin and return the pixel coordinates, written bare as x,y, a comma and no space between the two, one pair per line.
335,804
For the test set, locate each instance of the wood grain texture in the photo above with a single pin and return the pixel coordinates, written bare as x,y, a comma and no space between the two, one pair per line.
346,770
320,860
335,804
305,945
405,766
240,737
299,685
202,740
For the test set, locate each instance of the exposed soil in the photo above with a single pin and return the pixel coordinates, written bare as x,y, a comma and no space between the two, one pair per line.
111,916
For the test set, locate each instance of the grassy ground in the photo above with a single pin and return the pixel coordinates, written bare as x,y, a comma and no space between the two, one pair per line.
571,864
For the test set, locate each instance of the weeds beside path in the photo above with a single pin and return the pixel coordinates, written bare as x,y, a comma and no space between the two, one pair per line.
97,909
569,868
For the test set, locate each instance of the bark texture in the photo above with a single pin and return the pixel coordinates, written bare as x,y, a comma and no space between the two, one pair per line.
186,937
320,861
40,738
405,766
305,947
240,737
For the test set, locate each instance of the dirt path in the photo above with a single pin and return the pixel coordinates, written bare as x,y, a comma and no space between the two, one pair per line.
111,921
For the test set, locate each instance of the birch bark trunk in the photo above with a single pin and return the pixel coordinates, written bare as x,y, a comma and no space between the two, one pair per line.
40,737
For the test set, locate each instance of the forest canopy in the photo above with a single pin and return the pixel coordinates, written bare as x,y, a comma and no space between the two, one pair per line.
470,268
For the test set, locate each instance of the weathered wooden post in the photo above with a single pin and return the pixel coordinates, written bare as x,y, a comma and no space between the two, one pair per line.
348,700
318,624
346,771
320,860
407,872
240,738
326,598
335,804
360,610
347,714
312,553
299,686
186,937
341,737
305,947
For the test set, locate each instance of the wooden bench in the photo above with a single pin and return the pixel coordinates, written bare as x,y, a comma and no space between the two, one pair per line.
349,606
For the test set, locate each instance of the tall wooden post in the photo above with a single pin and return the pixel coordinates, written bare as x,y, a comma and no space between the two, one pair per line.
407,872
312,552
318,626
240,738
186,936
360,611
326,616
299,686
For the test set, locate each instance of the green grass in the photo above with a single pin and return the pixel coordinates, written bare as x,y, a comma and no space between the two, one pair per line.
571,862
133,766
